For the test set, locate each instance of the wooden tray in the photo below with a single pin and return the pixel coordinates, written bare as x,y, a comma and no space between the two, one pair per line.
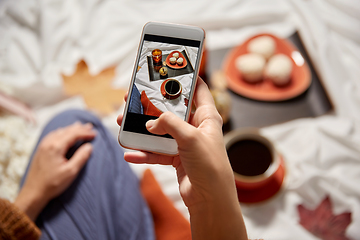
154,76
247,112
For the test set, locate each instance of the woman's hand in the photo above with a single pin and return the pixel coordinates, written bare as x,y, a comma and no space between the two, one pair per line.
50,173
202,155
204,173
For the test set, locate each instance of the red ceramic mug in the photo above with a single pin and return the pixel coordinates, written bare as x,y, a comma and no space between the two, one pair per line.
171,89
258,167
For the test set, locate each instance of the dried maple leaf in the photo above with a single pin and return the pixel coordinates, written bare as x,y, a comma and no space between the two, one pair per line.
95,89
323,223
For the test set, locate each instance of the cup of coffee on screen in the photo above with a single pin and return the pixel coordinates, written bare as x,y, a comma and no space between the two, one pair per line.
171,89
258,167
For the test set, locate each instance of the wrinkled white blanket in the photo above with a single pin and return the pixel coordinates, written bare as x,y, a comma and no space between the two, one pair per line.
39,40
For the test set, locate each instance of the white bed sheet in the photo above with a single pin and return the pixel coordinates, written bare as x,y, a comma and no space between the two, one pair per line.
39,40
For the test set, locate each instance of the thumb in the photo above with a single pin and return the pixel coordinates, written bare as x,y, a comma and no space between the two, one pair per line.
169,123
80,157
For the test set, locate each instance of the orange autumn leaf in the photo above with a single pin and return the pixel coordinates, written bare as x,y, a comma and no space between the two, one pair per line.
96,90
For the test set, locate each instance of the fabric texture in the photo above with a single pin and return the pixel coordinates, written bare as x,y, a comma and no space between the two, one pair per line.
135,105
14,224
34,54
104,202
168,221
149,107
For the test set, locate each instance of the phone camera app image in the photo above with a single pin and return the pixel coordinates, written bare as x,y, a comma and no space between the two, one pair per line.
163,80
164,76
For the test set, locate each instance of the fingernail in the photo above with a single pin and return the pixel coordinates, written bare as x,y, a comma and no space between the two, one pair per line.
87,147
88,125
150,124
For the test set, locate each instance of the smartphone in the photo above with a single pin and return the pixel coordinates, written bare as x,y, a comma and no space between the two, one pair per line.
163,79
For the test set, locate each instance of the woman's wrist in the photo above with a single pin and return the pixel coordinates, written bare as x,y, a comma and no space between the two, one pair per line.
219,216
215,220
30,202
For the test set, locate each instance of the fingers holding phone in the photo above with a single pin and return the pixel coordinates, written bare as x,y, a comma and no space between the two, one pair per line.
201,149
163,80
197,149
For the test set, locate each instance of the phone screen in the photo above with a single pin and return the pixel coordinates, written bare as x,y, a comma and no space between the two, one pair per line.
163,81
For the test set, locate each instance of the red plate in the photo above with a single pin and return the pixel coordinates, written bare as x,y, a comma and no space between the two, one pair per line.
176,66
266,90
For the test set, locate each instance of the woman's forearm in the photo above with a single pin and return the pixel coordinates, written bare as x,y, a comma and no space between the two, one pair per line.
217,221
219,216
30,203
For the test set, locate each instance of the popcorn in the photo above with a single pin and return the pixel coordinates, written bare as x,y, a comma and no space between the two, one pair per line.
5,150
9,189
15,151
17,167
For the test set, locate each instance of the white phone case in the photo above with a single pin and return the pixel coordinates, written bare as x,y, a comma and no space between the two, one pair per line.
169,38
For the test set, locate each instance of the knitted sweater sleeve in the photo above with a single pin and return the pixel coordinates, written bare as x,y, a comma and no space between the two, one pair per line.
15,224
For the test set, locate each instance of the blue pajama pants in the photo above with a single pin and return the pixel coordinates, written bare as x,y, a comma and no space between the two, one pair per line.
104,202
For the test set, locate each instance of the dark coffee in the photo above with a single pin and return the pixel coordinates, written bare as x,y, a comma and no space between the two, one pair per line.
172,87
249,157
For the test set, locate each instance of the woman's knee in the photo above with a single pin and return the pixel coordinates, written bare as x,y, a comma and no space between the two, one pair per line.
71,116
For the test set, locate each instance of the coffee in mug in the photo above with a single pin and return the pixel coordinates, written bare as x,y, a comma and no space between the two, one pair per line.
172,89
249,157
257,166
